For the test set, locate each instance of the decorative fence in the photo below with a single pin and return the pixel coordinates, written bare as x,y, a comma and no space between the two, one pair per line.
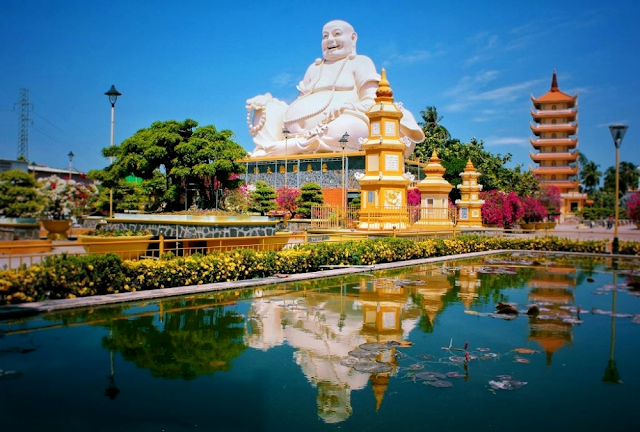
412,217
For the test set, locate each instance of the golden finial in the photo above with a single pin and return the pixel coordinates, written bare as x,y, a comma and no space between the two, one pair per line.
384,92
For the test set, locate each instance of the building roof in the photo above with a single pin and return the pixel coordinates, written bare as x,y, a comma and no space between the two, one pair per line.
554,95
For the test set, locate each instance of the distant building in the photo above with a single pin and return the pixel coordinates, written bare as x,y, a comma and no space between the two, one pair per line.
8,165
42,171
555,125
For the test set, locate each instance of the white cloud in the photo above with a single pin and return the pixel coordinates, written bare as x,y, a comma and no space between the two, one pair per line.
495,141
284,79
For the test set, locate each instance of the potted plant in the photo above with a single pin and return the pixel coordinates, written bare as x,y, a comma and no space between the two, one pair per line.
534,213
63,200
124,243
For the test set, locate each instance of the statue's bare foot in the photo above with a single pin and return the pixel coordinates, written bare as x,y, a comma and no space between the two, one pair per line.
258,153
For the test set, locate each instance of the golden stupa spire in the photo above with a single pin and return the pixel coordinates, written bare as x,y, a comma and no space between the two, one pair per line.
469,167
384,92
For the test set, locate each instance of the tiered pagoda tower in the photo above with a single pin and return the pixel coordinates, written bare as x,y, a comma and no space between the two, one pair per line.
555,116
384,183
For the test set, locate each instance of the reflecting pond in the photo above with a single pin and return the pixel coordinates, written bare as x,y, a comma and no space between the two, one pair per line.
409,349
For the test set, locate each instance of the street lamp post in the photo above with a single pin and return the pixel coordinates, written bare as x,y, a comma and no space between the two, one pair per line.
71,155
343,143
617,133
113,97
286,133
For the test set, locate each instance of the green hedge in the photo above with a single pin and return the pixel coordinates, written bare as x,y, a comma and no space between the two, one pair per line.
70,276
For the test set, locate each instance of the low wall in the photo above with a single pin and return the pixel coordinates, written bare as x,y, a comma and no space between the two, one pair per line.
10,231
197,230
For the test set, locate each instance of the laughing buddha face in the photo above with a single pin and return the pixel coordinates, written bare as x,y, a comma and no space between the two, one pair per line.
338,40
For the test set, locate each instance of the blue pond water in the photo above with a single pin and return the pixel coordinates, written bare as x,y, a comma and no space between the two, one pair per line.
277,358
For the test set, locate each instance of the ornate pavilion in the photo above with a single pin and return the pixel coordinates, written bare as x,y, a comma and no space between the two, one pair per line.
555,126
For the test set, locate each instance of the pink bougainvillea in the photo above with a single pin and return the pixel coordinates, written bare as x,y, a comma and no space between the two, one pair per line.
413,197
500,208
286,199
533,210
633,207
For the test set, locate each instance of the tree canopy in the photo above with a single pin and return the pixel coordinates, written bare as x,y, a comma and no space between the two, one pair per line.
172,156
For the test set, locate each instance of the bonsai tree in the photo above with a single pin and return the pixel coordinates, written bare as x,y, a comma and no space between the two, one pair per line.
18,194
263,199
633,208
310,195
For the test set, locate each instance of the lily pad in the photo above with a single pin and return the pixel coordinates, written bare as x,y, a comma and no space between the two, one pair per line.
372,367
439,383
363,354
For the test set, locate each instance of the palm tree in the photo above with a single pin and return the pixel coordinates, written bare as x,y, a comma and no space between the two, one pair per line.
431,124
628,178
590,176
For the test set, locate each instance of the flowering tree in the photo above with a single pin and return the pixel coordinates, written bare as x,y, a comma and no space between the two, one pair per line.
533,209
500,208
633,207
550,198
65,198
239,200
286,199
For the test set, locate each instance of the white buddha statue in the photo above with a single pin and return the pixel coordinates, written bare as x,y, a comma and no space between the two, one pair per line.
335,94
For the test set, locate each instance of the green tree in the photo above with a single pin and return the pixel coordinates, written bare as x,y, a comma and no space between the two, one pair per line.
628,178
310,195
184,155
454,156
590,176
263,199
18,194
431,124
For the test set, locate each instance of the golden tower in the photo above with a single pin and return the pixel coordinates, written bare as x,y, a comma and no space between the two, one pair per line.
470,204
434,197
384,185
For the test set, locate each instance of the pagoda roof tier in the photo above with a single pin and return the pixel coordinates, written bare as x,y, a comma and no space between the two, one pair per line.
561,184
570,129
559,156
564,170
553,142
569,114
554,95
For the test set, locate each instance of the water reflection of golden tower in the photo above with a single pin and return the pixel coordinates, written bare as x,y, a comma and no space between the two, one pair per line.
470,203
383,315
554,286
433,292
379,384
434,197
468,283
384,186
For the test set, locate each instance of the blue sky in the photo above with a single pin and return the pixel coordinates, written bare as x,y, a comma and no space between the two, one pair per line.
478,62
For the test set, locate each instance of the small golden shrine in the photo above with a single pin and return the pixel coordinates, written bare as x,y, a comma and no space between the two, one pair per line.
434,196
384,184
470,204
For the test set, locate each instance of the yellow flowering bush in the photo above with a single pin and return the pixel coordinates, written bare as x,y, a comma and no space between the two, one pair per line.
70,276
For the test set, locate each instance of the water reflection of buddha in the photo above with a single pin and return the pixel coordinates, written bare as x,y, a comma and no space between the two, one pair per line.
323,328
